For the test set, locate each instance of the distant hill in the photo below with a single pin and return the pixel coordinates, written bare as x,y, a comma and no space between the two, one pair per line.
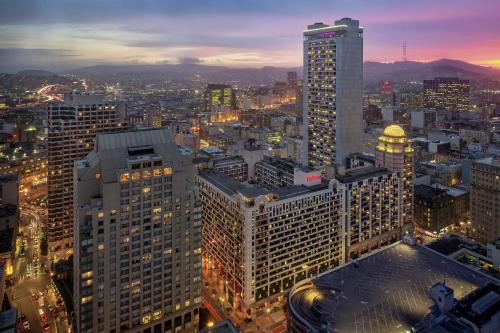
374,72
35,72
418,71
221,74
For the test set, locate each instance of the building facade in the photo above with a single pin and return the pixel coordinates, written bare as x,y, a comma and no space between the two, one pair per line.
275,172
220,95
260,242
485,199
137,247
373,212
153,116
447,93
260,238
73,126
436,208
395,153
333,86
232,166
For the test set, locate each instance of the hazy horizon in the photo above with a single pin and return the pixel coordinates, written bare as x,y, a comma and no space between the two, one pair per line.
66,34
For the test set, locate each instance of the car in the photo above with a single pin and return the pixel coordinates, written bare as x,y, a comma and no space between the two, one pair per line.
46,328
42,315
34,295
26,326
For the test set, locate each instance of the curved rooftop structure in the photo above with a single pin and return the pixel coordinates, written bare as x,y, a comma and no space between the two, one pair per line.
385,291
394,131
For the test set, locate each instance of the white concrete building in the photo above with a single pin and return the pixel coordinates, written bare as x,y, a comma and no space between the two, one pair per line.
333,88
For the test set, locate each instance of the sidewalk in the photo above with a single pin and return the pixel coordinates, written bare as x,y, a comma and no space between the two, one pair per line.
273,320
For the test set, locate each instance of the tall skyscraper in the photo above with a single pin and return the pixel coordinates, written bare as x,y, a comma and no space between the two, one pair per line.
395,153
485,199
333,89
447,93
137,248
73,125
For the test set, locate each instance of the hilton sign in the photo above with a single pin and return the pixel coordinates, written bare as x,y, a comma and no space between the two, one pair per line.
307,178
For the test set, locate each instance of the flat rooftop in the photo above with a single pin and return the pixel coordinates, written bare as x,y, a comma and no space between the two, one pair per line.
361,174
231,187
383,292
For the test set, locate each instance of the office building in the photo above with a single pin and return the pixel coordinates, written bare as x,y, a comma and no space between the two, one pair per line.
333,87
386,291
219,97
137,247
395,153
72,127
447,93
438,207
260,242
485,199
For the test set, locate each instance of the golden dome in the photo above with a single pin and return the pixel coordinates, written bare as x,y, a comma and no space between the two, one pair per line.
394,131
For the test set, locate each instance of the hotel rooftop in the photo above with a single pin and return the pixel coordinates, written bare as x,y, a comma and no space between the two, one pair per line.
386,291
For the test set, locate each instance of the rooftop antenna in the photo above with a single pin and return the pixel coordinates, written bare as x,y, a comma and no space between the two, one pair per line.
404,52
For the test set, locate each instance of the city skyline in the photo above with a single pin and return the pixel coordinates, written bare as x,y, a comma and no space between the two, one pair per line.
64,34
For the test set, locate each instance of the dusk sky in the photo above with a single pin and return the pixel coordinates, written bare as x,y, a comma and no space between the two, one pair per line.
64,34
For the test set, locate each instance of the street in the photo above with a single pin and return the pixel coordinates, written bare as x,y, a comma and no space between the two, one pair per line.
33,294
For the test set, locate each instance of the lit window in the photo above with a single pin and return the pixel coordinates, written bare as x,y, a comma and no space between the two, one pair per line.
136,175
146,189
167,170
124,177
157,172
146,173
87,275
86,299
146,319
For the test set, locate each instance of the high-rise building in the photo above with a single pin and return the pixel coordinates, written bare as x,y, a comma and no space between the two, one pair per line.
485,199
333,88
73,125
395,153
447,93
220,95
261,238
137,247
260,242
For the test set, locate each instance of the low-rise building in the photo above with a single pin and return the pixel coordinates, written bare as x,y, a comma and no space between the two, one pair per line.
438,207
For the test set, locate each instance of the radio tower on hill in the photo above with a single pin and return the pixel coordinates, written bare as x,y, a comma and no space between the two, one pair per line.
404,52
